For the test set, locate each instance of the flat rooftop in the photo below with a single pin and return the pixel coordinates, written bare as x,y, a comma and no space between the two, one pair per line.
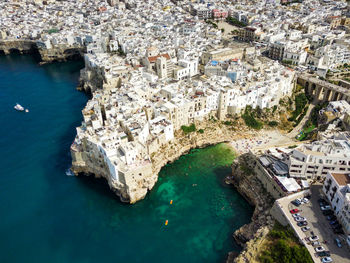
342,179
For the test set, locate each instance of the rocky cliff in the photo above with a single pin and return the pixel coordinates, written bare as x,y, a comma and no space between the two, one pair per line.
135,188
251,235
17,46
56,53
61,53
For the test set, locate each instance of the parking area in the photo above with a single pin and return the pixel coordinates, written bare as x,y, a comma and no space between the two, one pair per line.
320,227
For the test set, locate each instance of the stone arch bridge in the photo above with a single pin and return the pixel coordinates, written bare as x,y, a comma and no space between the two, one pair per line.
322,90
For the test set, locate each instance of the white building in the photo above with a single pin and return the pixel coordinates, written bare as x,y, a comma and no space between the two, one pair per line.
336,187
315,160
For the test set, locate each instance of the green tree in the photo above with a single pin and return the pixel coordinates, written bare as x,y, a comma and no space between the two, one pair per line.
188,129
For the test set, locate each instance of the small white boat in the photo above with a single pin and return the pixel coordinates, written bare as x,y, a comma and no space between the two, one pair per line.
19,107
26,110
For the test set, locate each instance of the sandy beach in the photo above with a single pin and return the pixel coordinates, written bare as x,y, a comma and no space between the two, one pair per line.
262,140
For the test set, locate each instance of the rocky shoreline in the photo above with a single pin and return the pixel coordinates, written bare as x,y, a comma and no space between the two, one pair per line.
181,144
57,53
250,236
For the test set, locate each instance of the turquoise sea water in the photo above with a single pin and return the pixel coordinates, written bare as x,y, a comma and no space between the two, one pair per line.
46,216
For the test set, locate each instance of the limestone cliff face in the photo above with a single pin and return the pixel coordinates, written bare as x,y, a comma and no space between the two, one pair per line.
90,79
60,53
21,46
251,235
132,186
56,53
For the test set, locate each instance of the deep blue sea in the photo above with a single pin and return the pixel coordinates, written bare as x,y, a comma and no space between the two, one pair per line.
49,217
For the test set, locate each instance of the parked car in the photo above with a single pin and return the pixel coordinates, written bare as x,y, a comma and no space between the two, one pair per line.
328,212
313,238
331,217
323,254
316,243
296,203
300,219
320,200
326,207
327,260
303,223
334,222
294,211
320,249
305,228
337,241
305,200
296,215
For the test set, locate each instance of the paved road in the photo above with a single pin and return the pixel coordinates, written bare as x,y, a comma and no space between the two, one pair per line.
298,128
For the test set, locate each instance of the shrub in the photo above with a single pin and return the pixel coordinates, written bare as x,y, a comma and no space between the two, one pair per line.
246,170
52,30
274,109
227,123
188,129
250,121
211,23
314,113
284,248
300,103
287,62
235,22
273,123
201,131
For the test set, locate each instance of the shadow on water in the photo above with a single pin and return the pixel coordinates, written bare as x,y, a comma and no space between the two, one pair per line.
63,68
61,161
242,208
